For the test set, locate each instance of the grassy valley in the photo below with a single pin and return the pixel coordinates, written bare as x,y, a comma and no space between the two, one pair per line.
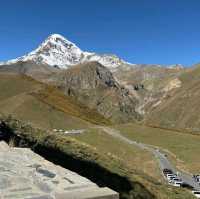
46,107
183,148
88,95
99,158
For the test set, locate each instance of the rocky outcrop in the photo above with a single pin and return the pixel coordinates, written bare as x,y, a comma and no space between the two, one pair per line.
150,84
94,85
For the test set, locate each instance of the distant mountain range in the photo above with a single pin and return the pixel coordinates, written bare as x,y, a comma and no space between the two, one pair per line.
59,87
115,89
86,77
58,52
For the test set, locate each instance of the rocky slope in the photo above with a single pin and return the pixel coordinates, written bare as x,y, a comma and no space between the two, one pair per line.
42,105
118,90
94,85
180,108
90,83
149,83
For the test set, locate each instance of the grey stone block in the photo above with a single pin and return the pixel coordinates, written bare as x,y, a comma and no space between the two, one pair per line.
26,175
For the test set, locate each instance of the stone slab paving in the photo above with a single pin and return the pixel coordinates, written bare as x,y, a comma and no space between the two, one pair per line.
26,175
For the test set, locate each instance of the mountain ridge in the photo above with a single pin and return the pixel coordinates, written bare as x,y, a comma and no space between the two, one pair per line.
59,52
95,86
136,89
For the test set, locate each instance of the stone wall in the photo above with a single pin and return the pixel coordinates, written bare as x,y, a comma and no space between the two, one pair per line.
26,175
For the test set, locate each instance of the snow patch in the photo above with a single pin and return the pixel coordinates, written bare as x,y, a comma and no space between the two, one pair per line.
58,51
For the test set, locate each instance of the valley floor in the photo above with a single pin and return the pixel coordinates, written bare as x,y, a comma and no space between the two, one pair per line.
164,161
36,104
182,148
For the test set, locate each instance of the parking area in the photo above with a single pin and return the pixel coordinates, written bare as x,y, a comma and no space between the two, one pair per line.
175,180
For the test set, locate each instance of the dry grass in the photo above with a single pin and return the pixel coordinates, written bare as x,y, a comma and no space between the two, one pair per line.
136,159
59,101
180,108
184,146
42,105
105,153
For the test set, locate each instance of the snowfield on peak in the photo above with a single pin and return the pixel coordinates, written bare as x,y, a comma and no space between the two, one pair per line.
58,52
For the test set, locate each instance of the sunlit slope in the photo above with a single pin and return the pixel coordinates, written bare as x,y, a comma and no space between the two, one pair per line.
183,147
180,109
42,105
94,85
103,158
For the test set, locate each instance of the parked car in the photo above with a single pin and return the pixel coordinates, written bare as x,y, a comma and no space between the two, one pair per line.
196,178
196,193
167,171
175,178
176,182
168,176
187,186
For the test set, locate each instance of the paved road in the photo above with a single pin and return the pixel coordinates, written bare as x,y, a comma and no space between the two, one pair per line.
165,163
162,158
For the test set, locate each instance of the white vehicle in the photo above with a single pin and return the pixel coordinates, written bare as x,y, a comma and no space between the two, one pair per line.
176,179
196,193
170,175
173,178
177,183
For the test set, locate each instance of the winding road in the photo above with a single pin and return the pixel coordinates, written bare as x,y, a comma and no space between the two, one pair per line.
161,157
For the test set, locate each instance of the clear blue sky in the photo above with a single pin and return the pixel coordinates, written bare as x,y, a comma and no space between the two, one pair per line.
139,31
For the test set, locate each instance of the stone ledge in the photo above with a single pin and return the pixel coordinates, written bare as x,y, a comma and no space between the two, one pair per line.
26,175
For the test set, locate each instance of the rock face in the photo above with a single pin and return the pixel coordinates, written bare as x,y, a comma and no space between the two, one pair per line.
25,175
120,91
150,84
94,85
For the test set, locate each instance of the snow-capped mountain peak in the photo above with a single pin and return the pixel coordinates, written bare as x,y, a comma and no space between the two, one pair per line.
56,42
57,51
